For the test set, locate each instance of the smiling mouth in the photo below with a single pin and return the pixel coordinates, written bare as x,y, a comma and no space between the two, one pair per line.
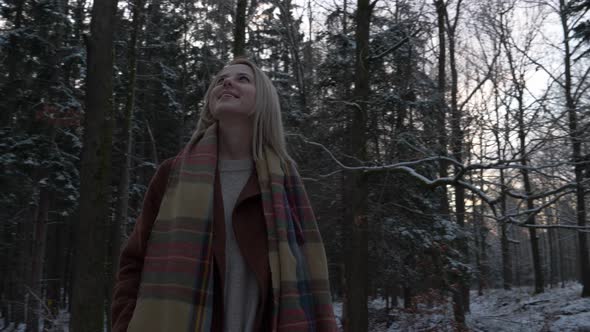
227,95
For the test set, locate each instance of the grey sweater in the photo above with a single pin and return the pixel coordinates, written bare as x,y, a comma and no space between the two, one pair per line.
240,291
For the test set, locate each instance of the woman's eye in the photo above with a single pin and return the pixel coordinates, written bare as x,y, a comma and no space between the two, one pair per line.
219,81
244,78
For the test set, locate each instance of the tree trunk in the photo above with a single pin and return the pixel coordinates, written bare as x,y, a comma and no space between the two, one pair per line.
506,259
356,183
561,256
553,260
575,134
440,123
35,296
408,296
497,131
544,251
91,234
481,240
484,259
6,266
552,251
505,248
53,270
294,49
519,85
122,205
537,268
478,259
457,147
518,269
19,277
394,295
240,28
69,265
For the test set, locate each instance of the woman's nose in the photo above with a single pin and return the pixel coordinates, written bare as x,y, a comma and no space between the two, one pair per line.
227,81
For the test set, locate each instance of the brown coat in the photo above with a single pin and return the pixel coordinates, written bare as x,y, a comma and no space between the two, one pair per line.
250,232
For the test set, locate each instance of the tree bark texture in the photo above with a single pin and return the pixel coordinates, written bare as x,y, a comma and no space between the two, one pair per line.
530,204
122,206
441,113
356,183
522,129
91,234
240,28
457,147
575,135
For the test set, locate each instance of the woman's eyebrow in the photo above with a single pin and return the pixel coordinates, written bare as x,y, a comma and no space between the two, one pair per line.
240,73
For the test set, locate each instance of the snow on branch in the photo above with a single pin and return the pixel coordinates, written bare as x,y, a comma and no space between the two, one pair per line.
571,185
396,46
457,180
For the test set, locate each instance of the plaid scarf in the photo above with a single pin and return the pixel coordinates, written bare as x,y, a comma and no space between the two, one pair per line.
176,290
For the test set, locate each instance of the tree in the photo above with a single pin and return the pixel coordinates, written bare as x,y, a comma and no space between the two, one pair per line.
122,206
576,137
487,27
519,86
91,232
441,116
240,28
356,182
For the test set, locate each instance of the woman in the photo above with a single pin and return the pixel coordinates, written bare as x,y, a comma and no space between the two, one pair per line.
227,240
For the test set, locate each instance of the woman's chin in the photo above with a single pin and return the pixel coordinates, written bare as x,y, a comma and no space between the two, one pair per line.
228,113
232,117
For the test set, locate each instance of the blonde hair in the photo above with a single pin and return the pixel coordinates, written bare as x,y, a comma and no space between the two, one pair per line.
268,125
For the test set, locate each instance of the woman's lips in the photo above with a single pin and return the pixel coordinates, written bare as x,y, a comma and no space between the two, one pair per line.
227,95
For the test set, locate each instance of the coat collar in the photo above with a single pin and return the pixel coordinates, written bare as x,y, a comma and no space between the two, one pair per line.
251,188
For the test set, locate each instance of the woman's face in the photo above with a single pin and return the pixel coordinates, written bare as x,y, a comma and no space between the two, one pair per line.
234,93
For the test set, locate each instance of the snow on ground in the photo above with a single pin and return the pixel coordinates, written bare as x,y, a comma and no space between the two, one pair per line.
497,310
557,309
437,316
60,324
12,328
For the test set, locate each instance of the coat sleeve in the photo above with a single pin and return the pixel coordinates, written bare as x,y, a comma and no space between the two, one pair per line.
132,255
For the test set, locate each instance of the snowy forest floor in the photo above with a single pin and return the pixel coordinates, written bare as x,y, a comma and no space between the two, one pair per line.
497,310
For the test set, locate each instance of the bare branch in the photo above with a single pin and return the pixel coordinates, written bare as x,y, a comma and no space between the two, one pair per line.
457,180
539,65
585,229
347,103
542,195
481,83
372,4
